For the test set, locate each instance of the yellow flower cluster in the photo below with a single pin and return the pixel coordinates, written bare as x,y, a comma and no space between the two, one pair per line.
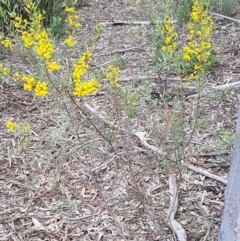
53,65
6,43
12,126
4,70
41,88
83,88
81,66
112,75
37,38
27,39
73,18
86,87
29,4
30,83
33,35
198,49
169,35
44,46
73,22
70,41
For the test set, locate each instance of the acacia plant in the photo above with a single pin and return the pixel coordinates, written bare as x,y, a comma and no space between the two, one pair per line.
192,60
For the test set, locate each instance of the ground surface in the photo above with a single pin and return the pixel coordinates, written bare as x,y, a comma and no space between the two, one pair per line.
58,188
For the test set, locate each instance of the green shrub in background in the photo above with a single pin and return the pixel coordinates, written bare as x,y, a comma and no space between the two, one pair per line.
228,7
54,13
225,7
183,11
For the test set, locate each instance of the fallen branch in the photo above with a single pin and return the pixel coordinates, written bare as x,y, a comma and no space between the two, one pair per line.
140,135
120,51
172,223
227,86
211,89
223,16
119,22
97,114
207,174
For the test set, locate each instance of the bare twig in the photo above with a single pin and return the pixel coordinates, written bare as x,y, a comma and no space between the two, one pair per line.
173,224
207,174
120,51
97,114
227,86
140,135
223,16
120,22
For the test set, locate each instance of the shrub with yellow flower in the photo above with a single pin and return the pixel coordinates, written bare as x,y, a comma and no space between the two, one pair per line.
197,54
168,36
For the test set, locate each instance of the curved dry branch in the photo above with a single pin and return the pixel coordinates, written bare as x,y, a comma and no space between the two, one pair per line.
172,223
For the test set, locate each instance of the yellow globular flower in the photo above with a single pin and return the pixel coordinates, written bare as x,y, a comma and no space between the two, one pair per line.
27,39
112,75
26,128
39,17
29,5
70,41
70,10
28,82
41,88
12,126
18,22
86,88
7,43
53,66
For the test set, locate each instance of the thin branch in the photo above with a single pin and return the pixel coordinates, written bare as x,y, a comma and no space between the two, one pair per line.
97,114
120,51
223,16
140,135
227,86
207,174
120,22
